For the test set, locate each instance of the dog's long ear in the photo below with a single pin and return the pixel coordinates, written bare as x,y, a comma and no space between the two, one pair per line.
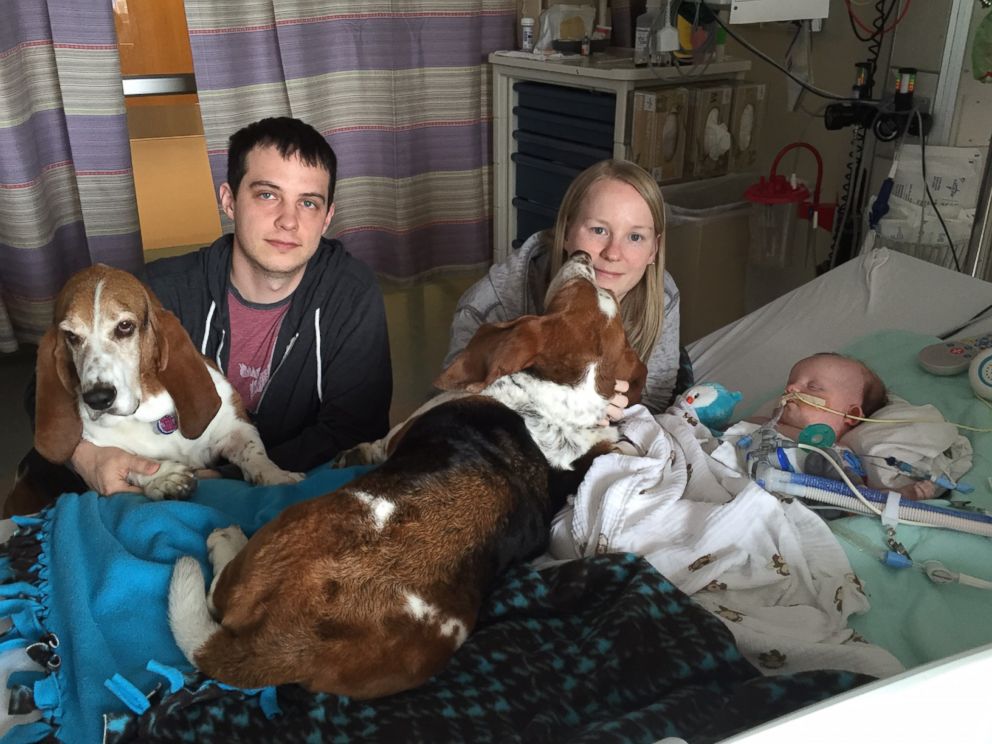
619,361
58,427
632,369
183,372
496,349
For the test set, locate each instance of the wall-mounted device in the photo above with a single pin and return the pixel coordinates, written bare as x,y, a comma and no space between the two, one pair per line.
886,120
759,11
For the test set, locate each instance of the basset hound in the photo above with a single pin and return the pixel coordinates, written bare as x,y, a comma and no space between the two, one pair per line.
119,370
369,590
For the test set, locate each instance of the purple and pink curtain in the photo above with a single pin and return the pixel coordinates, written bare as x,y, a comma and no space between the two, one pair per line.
66,188
400,88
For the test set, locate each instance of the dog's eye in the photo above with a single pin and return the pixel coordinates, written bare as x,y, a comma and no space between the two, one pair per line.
124,329
71,337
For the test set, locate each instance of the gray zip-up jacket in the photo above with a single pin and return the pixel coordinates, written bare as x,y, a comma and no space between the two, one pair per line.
331,379
517,287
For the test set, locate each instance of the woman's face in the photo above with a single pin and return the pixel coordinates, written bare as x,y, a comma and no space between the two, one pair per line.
615,227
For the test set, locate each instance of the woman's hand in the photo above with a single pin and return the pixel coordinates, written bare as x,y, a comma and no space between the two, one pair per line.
616,405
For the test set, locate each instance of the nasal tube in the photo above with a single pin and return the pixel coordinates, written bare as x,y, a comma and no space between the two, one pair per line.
836,493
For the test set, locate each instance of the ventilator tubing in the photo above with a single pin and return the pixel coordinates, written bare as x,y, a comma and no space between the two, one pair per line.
836,493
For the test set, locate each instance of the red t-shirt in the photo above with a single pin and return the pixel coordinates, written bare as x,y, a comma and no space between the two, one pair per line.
254,329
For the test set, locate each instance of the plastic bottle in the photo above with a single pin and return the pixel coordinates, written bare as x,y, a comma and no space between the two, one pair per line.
527,34
643,43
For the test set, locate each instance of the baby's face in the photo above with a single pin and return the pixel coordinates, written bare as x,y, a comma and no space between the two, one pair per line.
839,381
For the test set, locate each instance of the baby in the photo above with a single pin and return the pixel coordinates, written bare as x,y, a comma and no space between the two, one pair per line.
850,390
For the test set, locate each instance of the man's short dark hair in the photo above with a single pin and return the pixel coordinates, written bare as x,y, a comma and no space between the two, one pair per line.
290,137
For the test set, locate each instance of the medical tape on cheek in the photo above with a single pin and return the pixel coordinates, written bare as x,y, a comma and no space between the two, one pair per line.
804,398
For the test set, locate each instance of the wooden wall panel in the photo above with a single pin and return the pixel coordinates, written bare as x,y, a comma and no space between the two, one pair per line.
152,37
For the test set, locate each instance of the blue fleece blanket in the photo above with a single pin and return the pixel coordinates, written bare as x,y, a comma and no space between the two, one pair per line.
602,649
103,590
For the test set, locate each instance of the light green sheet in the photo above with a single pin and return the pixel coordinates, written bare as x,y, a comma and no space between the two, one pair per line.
917,620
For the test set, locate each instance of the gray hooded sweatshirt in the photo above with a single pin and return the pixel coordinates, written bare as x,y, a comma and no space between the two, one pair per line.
517,286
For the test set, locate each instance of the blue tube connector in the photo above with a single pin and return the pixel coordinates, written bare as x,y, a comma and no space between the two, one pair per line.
892,559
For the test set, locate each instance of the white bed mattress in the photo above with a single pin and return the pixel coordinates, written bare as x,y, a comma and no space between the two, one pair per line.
880,290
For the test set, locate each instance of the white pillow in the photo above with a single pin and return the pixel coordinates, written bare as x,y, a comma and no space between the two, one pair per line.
928,442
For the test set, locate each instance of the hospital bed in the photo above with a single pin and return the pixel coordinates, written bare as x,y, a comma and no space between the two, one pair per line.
883,307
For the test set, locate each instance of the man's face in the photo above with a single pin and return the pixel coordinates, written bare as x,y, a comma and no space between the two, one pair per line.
279,212
839,381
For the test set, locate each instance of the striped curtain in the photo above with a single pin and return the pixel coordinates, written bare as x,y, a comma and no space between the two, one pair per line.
400,88
66,191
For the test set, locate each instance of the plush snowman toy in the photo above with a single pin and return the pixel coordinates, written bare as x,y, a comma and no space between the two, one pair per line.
713,404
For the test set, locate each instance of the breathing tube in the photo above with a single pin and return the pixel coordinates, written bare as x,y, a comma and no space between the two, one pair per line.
766,460
839,494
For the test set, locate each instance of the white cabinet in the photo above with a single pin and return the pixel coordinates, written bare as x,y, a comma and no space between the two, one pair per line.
612,73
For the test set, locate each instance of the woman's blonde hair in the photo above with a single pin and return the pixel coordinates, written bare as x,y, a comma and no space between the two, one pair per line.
643,307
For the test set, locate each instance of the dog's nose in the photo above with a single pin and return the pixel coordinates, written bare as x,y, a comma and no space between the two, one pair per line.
100,398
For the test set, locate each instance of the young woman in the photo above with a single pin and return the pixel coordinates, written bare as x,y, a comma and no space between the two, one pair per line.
614,211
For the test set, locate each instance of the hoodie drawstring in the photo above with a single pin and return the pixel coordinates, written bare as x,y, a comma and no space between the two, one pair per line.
320,371
220,349
206,327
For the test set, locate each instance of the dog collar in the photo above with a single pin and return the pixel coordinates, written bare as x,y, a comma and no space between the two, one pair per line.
167,424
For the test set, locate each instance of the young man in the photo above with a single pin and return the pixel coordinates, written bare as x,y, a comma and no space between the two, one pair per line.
295,323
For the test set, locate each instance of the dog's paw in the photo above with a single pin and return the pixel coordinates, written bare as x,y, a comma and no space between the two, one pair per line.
169,483
274,476
366,453
224,538
223,544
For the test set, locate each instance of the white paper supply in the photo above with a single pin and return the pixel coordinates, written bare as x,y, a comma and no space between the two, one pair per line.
954,175
911,225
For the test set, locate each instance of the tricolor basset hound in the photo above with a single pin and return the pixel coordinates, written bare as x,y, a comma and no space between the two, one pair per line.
369,590
119,370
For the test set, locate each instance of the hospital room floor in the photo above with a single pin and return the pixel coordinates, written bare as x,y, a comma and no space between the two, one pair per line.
419,315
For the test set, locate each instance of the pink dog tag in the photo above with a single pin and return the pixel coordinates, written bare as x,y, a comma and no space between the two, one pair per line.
167,424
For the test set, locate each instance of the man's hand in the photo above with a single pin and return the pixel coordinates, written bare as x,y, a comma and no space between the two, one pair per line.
105,469
617,404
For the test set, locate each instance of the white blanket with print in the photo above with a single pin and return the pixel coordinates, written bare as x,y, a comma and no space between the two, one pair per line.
770,569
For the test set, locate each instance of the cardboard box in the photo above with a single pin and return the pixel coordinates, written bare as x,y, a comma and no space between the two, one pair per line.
658,132
747,116
709,109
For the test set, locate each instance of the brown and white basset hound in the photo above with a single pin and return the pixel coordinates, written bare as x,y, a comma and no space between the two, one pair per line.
119,370
369,590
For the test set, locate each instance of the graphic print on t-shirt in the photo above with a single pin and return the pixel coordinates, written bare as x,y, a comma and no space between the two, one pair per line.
254,330
256,378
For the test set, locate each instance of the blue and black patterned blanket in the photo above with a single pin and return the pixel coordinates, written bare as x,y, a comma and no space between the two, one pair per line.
600,649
